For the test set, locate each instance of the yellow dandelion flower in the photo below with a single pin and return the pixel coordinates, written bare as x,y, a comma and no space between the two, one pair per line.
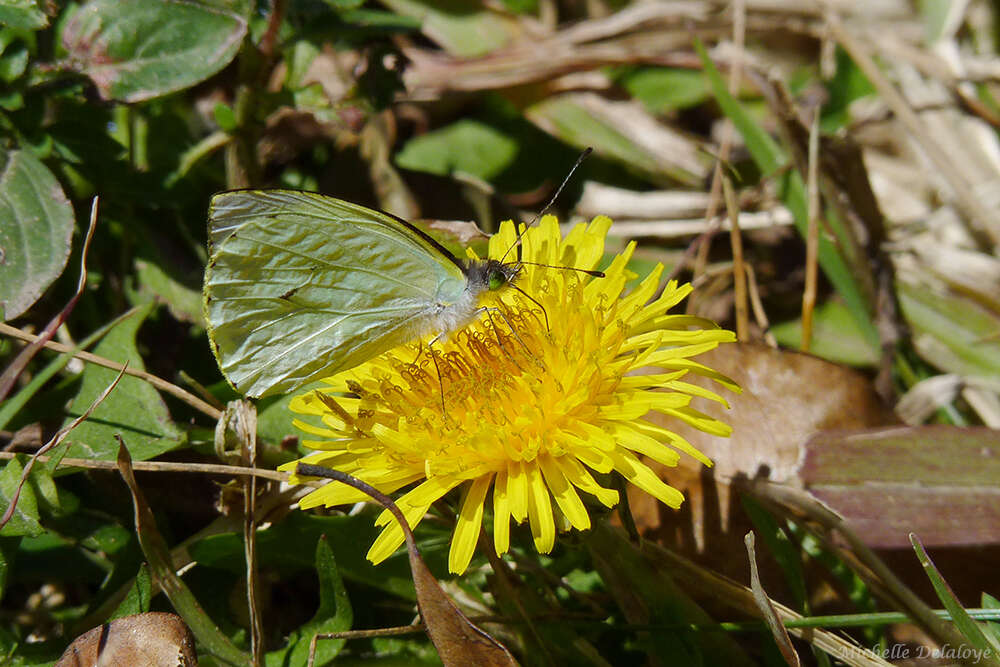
535,401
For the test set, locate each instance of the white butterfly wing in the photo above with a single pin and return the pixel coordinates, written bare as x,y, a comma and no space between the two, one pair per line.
300,285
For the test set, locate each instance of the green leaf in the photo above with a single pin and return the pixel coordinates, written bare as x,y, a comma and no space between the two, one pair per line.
183,302
344,5
468,146
225,117
333,615
847,85
24,520
24,14
836,336
134,409
968,627
11,407
137,599
665,89
14,62
952,332
136,50
991,628
35,234
463,28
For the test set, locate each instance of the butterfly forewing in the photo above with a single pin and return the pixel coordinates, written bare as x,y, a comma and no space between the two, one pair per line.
300,285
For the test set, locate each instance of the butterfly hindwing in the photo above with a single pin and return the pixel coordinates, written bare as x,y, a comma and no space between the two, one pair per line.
300,284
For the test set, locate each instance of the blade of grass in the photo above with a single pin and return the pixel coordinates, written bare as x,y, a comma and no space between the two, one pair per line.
770,159
959,617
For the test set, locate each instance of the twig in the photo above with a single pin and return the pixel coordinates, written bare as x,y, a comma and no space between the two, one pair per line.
758,307
267,42
56,439
167,466
157,382
246,429
812,236
725,148
13,371
739,274
10,408
361,634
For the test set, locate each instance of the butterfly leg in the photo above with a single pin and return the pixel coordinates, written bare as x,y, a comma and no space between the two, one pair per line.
489,313
430,351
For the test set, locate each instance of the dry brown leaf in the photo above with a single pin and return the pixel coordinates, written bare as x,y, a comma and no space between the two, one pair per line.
457,639
787,398
153,639
767,609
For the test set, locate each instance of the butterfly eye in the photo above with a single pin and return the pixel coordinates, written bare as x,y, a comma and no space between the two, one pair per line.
497,279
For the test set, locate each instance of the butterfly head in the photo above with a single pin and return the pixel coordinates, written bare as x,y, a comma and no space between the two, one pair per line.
492,274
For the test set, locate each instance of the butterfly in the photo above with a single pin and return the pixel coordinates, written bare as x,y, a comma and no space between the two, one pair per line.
300,285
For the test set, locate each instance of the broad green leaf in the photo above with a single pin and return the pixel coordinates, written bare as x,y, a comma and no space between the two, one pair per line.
24,520
24,14
136,50
952,332
137,599
468,146
183,302
665,89
465,28
333,615
107,538
35,234
14,60
134,409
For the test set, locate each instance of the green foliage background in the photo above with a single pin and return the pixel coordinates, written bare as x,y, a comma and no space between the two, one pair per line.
154,105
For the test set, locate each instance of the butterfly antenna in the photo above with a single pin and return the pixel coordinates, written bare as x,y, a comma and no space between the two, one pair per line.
552,200
589,272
